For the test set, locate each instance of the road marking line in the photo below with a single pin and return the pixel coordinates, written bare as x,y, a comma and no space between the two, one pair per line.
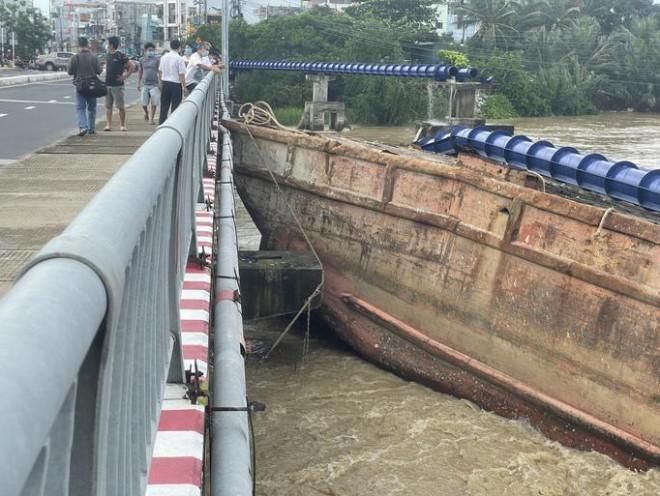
67,97
35,101
52,101
7,161
30,107
2,115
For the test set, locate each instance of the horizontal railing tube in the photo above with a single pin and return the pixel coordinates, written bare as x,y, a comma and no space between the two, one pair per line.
230,449
47,324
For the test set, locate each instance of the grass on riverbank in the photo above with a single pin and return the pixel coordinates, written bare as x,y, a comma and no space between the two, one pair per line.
289,116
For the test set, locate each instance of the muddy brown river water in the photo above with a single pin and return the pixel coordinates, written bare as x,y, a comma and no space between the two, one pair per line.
338,425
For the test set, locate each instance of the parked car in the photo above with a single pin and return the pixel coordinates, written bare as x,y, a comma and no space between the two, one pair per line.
55,61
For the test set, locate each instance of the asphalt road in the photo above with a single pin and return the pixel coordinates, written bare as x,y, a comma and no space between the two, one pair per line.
38,114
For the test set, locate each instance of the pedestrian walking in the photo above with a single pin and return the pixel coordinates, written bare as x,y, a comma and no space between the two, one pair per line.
197,66
84,65
149,83
118,68
171,71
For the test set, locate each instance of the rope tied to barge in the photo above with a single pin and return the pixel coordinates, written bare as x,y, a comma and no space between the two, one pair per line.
261,114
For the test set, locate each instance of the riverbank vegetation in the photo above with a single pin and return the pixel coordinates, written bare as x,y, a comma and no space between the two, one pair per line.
548,57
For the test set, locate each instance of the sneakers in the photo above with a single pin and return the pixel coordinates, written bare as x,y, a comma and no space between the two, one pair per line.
123,128
82,131
107,128
91,131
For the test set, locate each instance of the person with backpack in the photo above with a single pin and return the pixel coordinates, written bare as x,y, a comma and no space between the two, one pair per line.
84,65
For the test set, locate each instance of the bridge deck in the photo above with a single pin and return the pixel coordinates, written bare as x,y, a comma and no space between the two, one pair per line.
41,194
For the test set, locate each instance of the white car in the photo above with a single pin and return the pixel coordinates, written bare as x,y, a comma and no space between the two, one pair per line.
55,61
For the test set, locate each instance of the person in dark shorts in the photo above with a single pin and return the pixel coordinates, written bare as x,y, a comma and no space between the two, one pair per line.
84,65
118,68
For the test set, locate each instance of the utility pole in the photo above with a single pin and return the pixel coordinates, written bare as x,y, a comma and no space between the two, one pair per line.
59,15
2,43
13,45
225,47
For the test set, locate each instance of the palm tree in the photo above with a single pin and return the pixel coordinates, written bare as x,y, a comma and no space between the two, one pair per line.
495,22
550,14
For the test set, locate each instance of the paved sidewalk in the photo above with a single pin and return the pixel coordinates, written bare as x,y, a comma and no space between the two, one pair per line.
41,194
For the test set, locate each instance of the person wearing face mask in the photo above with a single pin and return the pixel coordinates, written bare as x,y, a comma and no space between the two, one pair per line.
171,73
149,82
197,66
187,52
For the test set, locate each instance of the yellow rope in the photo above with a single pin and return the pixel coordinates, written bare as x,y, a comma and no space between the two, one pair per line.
261,114
602,222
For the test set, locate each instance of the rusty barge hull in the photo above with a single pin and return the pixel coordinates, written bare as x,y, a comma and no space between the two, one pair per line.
531,305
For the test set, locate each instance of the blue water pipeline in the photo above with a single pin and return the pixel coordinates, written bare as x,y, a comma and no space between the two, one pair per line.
438,72
593,172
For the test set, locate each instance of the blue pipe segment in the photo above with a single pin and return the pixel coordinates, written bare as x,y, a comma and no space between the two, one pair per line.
593,172
436,71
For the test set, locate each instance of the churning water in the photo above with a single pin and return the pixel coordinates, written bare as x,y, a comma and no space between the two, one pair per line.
341,426
617,135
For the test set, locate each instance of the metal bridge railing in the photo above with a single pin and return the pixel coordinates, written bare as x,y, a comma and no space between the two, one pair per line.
90,332
231,465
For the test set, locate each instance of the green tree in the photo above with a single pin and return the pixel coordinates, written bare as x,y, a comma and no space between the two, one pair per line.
548,14
515,82
454,57
323,35
495,21
208,32
30,28
611,14
417,14
628,66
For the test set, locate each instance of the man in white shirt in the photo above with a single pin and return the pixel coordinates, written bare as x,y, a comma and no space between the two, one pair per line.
197,66
171,72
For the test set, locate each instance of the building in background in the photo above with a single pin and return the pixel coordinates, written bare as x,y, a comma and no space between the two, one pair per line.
135,22
455,26
337,5
272,11
70,20
441,13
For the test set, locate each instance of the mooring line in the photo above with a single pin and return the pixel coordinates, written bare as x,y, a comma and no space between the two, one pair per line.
319,287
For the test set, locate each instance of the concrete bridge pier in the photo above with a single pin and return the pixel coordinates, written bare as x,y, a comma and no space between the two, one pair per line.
463,104
316,110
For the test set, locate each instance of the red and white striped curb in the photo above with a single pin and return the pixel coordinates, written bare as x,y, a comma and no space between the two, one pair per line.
212,162
204,229
195,310
176,465
209,189
177,462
